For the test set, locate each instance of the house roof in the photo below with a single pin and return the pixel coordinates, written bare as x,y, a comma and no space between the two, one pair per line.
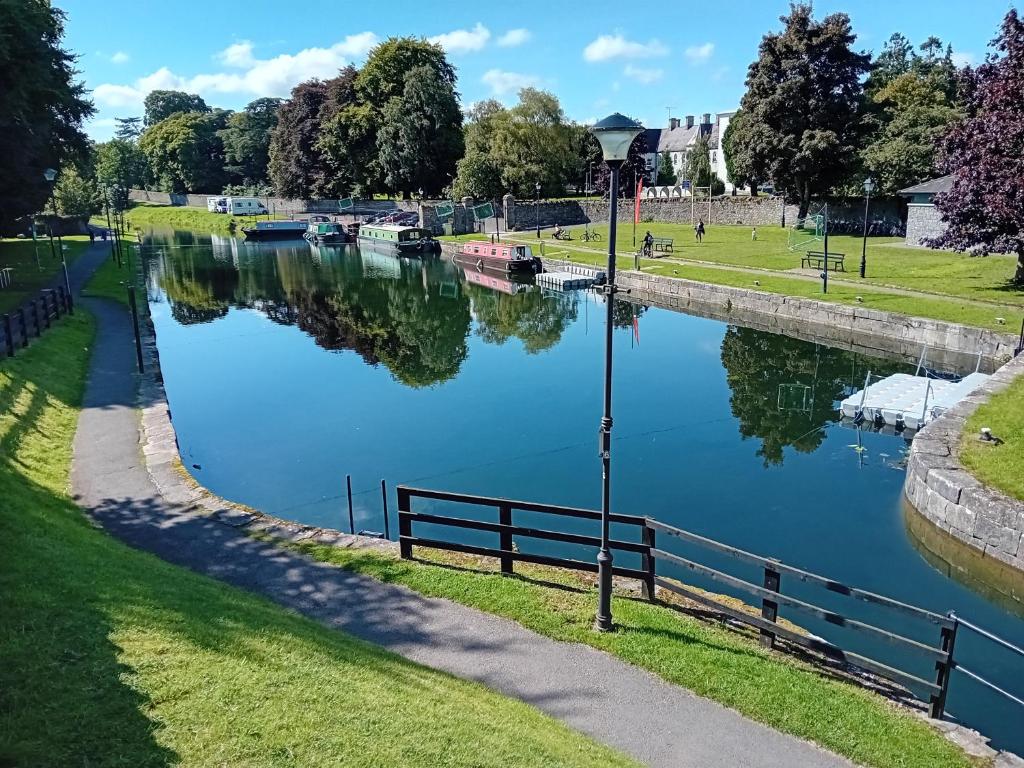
672,139
941,184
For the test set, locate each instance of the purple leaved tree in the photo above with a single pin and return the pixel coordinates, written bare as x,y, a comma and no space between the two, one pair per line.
984,208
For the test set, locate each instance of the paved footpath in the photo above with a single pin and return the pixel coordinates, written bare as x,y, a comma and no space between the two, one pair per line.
613,702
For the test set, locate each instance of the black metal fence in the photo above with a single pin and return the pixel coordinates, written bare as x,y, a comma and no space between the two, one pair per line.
32,318
771,592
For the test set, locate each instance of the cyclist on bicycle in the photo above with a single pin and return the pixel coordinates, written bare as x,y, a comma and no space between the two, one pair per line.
648,243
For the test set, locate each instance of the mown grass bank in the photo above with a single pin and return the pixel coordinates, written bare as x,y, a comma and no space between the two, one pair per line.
703,656
1001,466
145,215
112,657
34,265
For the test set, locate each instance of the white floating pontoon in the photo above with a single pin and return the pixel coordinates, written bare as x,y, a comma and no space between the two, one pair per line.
903,400
563,281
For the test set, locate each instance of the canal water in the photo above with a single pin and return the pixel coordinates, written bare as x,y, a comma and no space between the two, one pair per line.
289,367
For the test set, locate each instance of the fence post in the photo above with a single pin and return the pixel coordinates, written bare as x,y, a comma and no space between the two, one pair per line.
943,669
35,318
135,326
8,335
47,295
384,497
770,608
505,518
56,302
64,299
404,523
647,560
351,518
23,326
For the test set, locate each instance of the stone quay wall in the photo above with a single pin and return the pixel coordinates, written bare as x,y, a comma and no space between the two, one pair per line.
274,204
951,498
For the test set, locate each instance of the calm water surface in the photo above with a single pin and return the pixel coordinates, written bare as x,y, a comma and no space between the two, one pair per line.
288,367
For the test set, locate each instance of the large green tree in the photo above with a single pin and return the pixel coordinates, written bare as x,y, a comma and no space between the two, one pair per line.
120,165
802,106
246,139
42,105
296,164
185,152
478,174
159,105
76,194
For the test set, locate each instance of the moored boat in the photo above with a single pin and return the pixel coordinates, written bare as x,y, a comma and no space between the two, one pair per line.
404,240
326,233
504,257
275,230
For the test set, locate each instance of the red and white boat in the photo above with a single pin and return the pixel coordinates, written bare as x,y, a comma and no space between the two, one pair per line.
503,257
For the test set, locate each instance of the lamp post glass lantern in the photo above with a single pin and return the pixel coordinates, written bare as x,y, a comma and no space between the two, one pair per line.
869,187
615,134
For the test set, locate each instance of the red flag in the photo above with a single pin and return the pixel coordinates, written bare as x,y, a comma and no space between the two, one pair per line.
636,327
636,204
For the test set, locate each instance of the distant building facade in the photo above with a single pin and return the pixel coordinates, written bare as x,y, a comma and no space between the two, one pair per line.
679,139
923,219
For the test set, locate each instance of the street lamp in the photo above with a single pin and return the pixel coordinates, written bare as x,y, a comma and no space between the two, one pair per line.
536,207
615,134
869,187
51,175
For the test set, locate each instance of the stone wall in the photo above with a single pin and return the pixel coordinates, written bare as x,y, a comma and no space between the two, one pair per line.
923,220
947,495
869,331
746,211
274,204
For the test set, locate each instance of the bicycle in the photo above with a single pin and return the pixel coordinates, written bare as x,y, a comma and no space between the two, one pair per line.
590,236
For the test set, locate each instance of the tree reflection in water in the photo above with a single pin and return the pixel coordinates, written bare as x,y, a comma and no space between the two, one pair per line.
784,390
536,318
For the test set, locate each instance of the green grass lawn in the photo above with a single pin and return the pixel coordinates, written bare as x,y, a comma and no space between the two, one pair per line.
110,281
34,266
700,655
144,215
1001,466
112,657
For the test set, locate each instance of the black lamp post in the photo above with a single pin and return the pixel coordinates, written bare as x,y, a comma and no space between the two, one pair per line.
869,187
615,134
536,207
51,175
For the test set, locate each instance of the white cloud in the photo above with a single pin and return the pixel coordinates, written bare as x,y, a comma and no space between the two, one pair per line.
120,57
697,54
503,83
618,47
963,59
237,55
514,37
258,77
463,40
642,75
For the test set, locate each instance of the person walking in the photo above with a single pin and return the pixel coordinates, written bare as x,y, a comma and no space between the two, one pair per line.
648,244
699,230
753,234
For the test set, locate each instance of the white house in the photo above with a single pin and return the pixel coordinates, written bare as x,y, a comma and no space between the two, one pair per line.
679,139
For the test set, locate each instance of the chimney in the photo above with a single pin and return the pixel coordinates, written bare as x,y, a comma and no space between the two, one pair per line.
707,118
673,123
689,121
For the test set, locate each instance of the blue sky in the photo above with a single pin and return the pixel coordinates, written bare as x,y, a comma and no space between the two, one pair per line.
597,57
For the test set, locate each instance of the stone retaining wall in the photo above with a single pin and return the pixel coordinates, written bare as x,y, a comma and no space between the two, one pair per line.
870,331
946,494
275,204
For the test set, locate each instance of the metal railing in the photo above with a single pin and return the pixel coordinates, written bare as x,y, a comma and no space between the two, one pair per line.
770,591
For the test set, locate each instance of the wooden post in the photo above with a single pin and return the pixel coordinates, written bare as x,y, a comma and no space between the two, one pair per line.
23,326
384,498
404,524
505,518
8,335
937,702
64,300
47,295
769,608
647,562
56,302
35,318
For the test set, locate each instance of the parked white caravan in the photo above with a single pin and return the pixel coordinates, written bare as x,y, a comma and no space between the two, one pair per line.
245,206
217,204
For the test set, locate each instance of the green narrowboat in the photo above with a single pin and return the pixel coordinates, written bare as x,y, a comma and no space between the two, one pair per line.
405,240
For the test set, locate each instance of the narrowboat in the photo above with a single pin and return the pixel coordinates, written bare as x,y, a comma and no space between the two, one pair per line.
326,233
275,230
504,257
394,237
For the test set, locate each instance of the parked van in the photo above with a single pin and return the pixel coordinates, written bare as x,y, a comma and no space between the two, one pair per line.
245,206
217,204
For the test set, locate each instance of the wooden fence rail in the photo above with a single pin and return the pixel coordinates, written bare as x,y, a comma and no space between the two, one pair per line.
653,559
32,318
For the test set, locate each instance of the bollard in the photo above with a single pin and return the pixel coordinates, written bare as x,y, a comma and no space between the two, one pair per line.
8,336
23,326
384,497
351,519
135,326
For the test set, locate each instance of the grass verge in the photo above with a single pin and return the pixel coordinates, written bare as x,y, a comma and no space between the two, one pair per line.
998,465
143,215
34,266
110,281
703,656
115,658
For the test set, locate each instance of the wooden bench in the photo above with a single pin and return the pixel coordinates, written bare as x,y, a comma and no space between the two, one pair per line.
661,244
821,260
